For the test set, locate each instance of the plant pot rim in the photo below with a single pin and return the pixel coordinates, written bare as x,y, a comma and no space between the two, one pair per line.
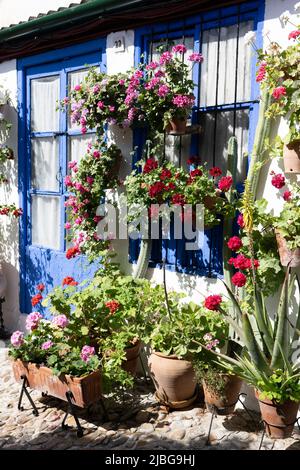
74,378
168,356
268,401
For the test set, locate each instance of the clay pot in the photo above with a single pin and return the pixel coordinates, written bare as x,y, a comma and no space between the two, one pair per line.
287,256
279,418
291,157
174,380
223,404
132,356
177,126
86,389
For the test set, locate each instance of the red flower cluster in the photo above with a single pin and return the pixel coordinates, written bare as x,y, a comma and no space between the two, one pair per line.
278,181
212,302
150,165
239,279
261,73
18,212
278,92
69,281
178,199
36,299
156,188
242,262
240,221
165,174
194,160
294,34
287,195
225,183
40,287
234,243
112,306
72,252
215,171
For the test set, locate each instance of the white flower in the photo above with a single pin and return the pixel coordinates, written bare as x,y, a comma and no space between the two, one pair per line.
285,17
297,7
249,37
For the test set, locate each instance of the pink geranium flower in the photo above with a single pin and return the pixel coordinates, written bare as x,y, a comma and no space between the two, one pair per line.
87,352
278,92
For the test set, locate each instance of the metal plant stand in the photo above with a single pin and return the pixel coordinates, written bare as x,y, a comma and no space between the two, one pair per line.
215,411
72,411
268,426
25,390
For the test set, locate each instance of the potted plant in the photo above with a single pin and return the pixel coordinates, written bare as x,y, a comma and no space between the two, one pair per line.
279,75
287,229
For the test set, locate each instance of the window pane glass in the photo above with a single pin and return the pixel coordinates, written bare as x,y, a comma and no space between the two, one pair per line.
75,78
225,54
46,221
224,130
44,97
45,163
78,146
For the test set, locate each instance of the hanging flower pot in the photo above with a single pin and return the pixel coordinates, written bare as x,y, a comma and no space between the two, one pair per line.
177,126
279,418
287,256
174,380
291,157
223,402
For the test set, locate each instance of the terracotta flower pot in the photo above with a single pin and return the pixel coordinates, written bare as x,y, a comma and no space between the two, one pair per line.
132,356
279,418
86,389
177,125
174,380
223,404
286,255
291,157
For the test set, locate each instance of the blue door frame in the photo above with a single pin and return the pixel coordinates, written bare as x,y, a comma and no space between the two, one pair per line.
39,264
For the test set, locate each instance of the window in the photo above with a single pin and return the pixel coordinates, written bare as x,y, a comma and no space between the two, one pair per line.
226,105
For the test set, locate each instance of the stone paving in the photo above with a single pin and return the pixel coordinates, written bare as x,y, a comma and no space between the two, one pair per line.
135,421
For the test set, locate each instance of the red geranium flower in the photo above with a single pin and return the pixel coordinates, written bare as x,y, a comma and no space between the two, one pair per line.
193,160
195,173
18,212
212,302
242,262
150,165
234,243
170,186
72,252
36,299
156,189
112,305
215,171
165,174
294,34
278,92
69,281
240,221
287,195
239,279
261,73
225,183
178,199
278,181
40,287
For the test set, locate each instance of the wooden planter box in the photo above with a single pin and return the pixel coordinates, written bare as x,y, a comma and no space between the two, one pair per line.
85,390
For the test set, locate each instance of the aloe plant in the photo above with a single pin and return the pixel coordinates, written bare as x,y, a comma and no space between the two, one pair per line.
269,358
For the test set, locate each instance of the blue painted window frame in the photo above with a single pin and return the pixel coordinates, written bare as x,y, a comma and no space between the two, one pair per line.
190,26
94,53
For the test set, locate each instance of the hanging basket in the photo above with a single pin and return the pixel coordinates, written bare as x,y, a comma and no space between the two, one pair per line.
287,256
291,157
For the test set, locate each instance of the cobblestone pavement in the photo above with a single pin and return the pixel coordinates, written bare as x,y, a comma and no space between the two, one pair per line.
136,421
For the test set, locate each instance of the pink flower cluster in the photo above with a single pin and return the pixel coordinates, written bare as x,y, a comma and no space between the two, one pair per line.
47,345
210,341
87,352
278,92
17,339
196,57
183,101
61,321
32,321
261,73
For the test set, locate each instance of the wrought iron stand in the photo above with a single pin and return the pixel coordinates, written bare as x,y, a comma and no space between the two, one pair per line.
215,411
72,411
268,426
25,390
